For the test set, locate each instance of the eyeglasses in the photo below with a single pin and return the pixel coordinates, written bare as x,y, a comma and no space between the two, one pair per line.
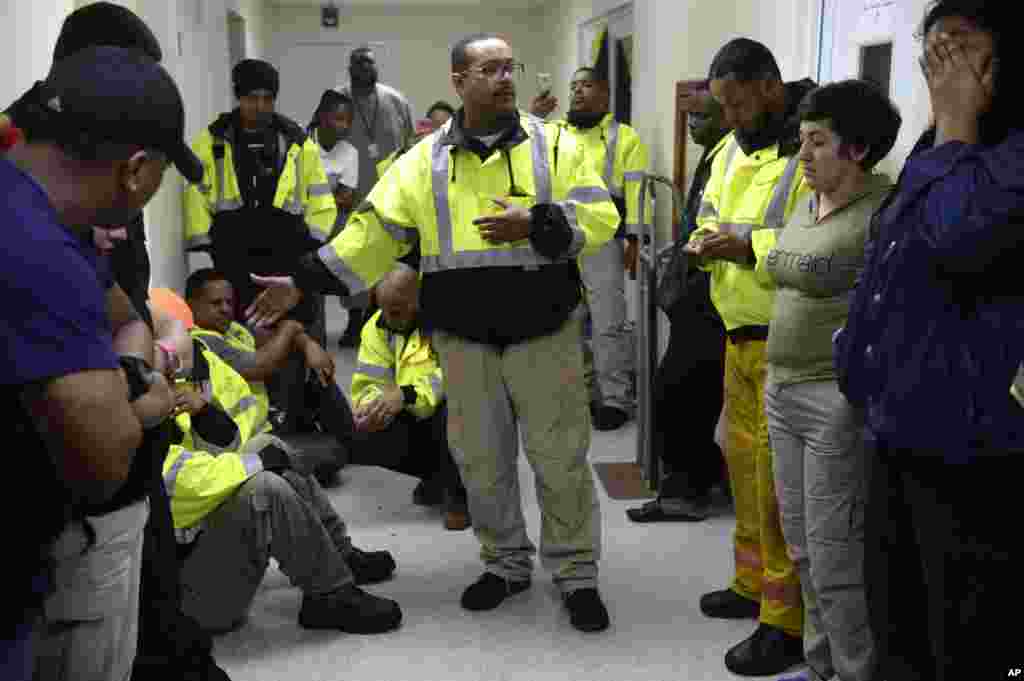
496,69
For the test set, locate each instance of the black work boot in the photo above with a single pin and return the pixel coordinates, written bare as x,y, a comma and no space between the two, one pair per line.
488,592
350,609
586,610
729,605
768,651
370,567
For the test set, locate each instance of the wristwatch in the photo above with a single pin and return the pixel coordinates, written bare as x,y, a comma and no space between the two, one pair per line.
139,374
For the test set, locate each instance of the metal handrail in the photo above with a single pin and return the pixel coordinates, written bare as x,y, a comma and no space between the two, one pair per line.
647,327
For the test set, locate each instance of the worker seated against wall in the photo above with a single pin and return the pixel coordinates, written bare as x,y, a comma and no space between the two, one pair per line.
398,393
237,500
261,357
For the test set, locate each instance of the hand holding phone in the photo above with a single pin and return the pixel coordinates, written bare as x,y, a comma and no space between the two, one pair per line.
544,84
694,95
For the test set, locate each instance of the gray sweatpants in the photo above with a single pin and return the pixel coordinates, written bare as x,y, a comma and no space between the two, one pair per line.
820,479
91,623
611,336
285,517
535,387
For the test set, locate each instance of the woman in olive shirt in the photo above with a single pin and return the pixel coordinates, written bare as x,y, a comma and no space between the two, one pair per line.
846,128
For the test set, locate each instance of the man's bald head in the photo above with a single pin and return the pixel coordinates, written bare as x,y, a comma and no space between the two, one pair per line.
398,295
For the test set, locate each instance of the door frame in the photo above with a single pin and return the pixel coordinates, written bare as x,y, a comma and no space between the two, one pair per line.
586,32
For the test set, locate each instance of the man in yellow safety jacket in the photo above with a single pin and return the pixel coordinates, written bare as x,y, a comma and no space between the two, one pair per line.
211,297
621,158
399,399
756,180
500,222
264,198
238,501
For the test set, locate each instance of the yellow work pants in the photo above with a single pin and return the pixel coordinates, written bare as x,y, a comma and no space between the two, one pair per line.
764,571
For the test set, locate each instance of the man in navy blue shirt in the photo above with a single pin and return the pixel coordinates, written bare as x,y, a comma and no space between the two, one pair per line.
92,155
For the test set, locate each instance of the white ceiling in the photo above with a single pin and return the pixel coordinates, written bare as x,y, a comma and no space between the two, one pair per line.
364,4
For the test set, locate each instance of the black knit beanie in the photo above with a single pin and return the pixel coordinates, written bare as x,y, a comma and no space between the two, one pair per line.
250,75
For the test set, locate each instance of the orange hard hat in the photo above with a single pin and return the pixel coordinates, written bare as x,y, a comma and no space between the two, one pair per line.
172,304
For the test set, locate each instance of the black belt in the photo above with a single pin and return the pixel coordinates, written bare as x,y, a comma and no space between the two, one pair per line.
747,333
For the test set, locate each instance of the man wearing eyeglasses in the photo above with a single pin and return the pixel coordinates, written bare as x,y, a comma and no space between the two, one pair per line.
621,158
501,221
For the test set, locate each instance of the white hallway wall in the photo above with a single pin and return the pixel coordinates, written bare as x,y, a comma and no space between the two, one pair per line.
420,39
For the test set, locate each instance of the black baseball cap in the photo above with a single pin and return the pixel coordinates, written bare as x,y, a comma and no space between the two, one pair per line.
104,23
117,95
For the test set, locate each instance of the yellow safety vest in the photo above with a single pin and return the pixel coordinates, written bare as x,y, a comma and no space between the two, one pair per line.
752,197
387,162
387,358
302,190
433,195
622,160
246,403
199,476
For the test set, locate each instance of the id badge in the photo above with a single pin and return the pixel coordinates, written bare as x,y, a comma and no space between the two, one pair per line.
373,151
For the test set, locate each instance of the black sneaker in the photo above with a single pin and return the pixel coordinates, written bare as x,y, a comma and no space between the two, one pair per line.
370,567
671,510
350,609
768,651
605,418
586,610
427,493
490,590
729,605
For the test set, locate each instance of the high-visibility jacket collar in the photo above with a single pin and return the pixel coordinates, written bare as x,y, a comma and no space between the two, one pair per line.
455,136
383,324
227,125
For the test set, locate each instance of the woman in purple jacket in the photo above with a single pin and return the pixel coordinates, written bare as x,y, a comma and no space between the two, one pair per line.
931,348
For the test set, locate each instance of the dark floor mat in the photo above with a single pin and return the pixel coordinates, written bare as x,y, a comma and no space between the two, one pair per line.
623,481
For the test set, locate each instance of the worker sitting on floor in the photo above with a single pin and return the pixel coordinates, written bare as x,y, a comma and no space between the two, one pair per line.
211,298
238,501
398,393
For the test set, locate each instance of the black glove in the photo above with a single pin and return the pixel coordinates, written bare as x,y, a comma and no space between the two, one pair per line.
275,459
550,233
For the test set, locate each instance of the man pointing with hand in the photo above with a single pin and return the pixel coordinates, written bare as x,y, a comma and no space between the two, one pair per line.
500,298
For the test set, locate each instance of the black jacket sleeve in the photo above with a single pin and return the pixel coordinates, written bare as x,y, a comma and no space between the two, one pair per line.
215,426
312,276
550,233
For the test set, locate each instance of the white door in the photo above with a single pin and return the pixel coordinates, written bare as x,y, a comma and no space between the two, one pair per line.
309,67
861,38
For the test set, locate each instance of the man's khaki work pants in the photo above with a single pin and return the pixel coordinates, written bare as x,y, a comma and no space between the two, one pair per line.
536,387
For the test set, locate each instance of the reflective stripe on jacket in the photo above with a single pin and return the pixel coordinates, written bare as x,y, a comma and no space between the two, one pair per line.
302,190
621,159
434,191
247,404
198,481
751,197
387,358
198,475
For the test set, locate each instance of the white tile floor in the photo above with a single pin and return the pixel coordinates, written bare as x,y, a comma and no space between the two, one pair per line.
651,578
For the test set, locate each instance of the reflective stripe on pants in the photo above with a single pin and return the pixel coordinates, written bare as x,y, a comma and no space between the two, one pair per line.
764,571
536,386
